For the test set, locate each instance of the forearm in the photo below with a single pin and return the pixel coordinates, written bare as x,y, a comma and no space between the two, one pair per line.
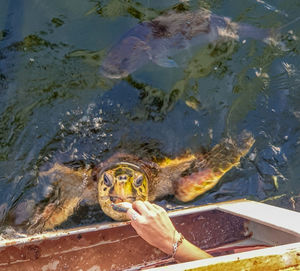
151,220
185,251
188,252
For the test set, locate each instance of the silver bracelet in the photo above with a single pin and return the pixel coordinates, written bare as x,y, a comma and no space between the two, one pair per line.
177,243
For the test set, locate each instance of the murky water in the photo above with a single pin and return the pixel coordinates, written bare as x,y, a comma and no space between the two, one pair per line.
55,106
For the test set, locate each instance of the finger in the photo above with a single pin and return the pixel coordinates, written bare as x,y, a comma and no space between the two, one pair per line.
140,207
160,210
133,215
149,206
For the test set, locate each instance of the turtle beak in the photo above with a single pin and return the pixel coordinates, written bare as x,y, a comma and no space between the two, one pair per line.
122,192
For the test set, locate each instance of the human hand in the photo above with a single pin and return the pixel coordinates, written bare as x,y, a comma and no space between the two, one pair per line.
153,224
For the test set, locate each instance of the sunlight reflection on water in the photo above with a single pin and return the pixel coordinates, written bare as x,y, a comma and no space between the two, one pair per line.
56,107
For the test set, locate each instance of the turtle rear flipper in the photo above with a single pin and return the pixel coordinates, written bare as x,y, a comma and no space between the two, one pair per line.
69,188
208,170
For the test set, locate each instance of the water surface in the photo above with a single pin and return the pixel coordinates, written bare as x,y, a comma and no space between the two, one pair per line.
55,106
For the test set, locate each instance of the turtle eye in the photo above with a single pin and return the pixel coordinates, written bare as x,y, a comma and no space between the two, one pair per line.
138,182
107,181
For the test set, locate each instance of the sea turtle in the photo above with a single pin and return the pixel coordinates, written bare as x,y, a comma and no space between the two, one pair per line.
126,178
168,35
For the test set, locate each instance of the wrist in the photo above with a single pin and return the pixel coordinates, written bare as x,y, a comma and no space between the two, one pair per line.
167,245
178,239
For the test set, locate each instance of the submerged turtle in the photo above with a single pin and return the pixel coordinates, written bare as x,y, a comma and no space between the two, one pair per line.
126,178
167,35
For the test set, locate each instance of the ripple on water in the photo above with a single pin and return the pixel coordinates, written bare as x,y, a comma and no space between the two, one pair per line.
55,107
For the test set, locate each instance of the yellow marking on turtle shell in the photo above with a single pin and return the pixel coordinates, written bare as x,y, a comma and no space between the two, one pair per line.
167,162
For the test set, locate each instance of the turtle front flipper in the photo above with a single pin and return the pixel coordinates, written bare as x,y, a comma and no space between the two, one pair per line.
205,173
68,188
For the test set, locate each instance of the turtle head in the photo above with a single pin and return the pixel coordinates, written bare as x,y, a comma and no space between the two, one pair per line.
121,182
125,57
